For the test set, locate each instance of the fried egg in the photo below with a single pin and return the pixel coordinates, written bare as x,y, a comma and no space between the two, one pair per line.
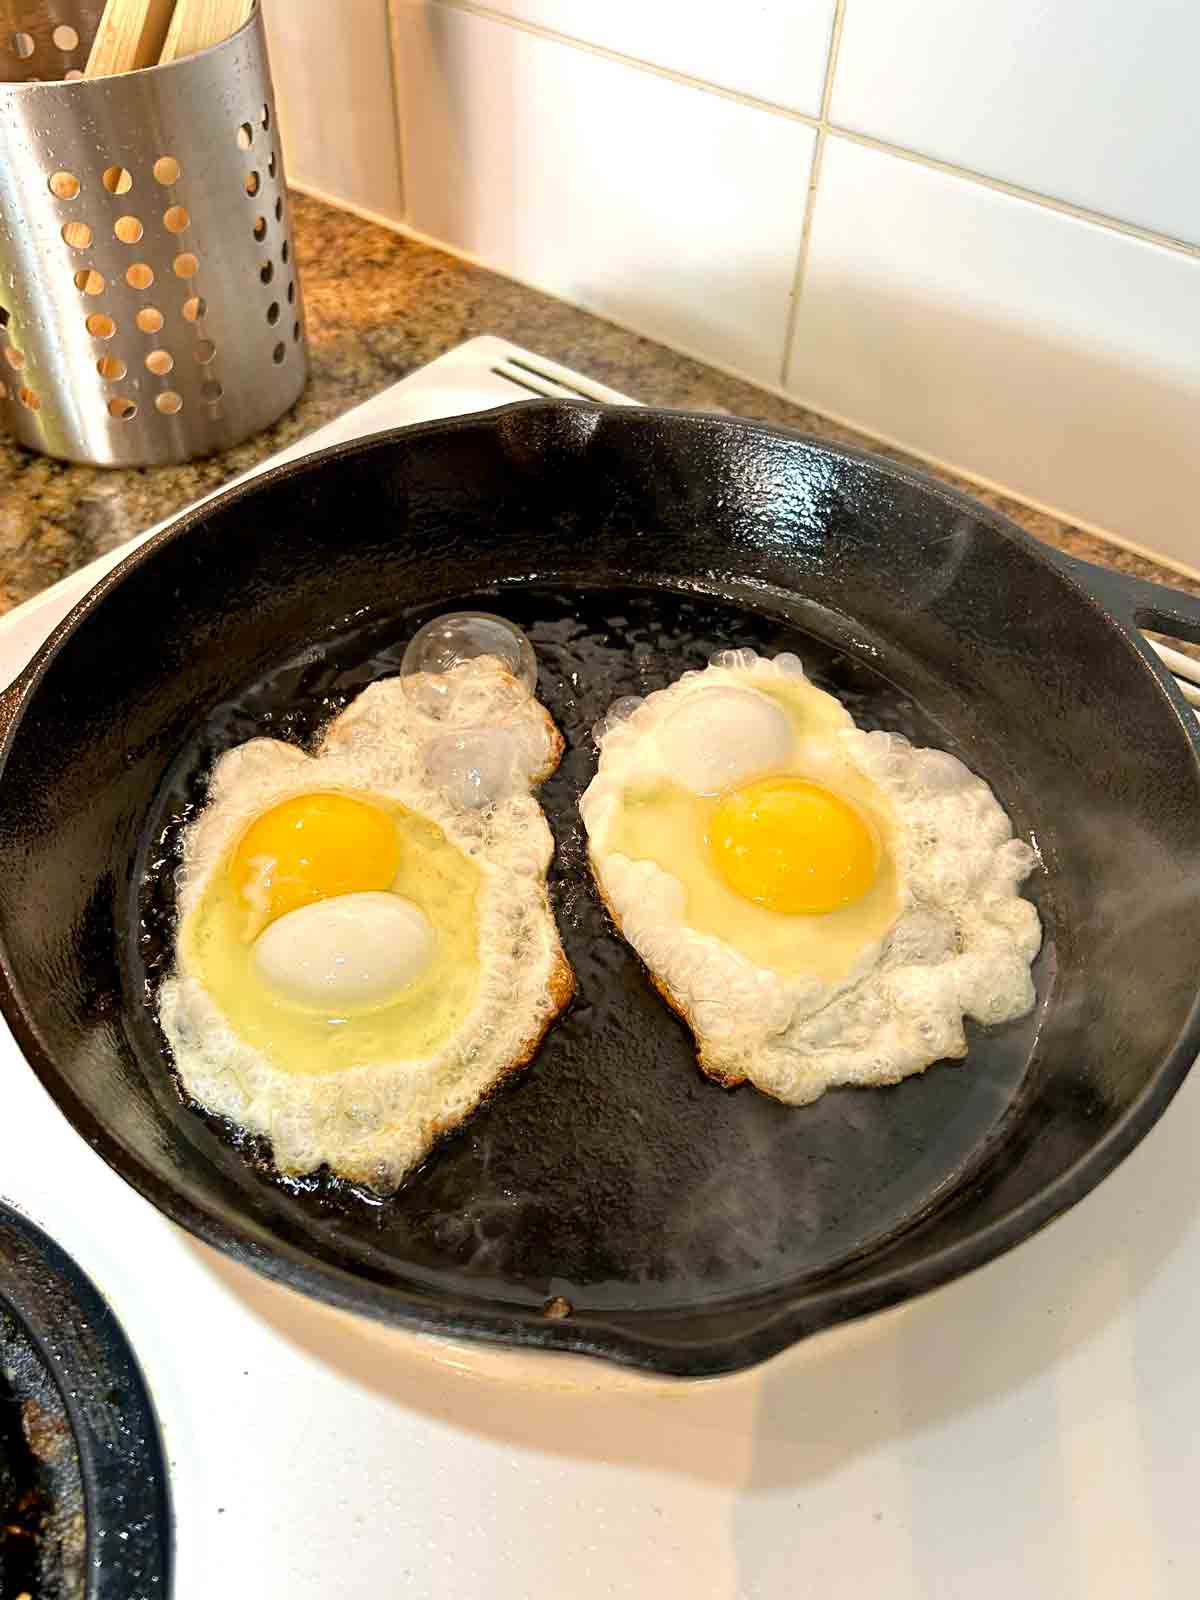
822,905
365,946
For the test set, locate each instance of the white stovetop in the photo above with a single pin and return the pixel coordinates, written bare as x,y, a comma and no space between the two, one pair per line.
1029,1431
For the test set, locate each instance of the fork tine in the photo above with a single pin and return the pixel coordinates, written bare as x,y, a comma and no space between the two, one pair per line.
549,377
524,383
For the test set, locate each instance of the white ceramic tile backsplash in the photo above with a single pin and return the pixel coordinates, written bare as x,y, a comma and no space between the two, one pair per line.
1054,356
676,211
1088,101
774,50
331,66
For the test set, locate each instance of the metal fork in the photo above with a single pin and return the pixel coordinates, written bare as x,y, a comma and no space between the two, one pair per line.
552,382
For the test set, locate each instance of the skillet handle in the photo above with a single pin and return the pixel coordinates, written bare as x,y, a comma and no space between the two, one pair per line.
1135,601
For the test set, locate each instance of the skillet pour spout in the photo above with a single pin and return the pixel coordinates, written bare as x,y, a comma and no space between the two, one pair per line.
691,1231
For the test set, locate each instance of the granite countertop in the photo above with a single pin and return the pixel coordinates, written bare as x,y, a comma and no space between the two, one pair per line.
380,305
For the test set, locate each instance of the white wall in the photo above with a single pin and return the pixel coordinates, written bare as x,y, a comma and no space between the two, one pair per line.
332,70
970,228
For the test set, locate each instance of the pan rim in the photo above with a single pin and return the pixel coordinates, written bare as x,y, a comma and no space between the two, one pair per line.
598,1333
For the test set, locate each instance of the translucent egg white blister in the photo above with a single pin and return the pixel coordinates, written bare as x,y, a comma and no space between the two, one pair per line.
373,1123
961,942
350,952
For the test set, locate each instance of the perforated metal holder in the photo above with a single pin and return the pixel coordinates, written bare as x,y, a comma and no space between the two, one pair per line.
150,309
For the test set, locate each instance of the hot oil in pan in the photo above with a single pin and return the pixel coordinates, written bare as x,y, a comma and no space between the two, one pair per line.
612,1172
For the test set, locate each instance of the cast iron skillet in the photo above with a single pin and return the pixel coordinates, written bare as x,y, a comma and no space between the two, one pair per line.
70,1333
691,1231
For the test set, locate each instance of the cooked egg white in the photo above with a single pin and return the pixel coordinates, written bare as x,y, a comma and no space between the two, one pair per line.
822,905
365,943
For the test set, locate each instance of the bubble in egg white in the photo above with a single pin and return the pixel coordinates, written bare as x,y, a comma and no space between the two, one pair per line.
620,711
715,741
345,953
457,637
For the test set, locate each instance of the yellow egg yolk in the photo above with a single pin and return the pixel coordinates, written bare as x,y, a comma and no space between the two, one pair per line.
310,848
792,846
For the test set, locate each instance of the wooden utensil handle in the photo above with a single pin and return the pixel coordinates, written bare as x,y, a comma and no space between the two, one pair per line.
131,34
197,24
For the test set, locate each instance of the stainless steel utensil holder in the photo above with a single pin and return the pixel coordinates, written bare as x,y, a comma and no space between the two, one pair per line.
150,309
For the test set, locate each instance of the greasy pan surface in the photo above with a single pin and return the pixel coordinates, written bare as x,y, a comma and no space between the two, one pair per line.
693,1231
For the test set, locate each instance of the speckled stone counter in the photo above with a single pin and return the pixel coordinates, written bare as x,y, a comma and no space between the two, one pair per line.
379,306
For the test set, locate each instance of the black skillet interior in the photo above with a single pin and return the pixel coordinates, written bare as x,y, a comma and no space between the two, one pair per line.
691,1230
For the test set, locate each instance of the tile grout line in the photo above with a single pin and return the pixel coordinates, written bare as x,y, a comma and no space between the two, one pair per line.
835,45
474,8
810,205
1065,208
825,128
397,119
